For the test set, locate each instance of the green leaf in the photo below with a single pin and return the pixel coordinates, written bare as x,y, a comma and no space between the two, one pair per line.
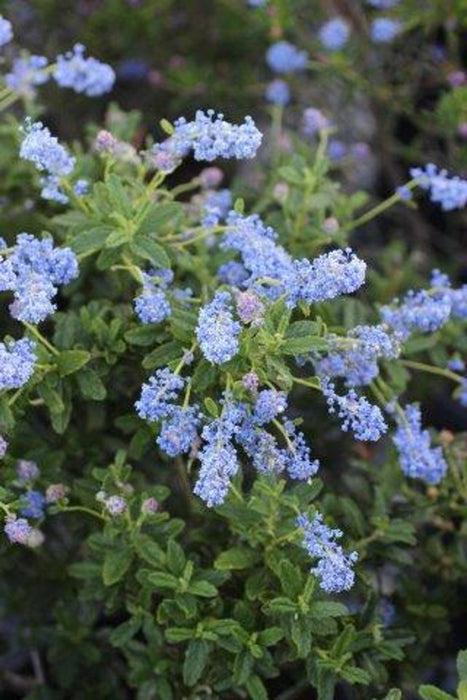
7,420
175,558
70,361
92,239
393,694
146,248
461,663
162,580
90,385
430,692
211,407
255,688
121,635
175,635
162,355
303,344
291,579
196,658
327,609
462,690
150,551
236,558
353,674
270,636
280,606
116,564
161,217
203,589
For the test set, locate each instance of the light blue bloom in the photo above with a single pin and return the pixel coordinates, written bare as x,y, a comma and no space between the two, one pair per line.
284,57
83,75
334,34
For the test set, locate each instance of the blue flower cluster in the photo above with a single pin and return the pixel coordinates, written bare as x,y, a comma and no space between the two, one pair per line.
6,31
18,530
424,310
180,431
35,504
384,30
355,358
216,206
449,192
33,272
356,412
209,136
17,359
217,331
334,567
326,277
417,458
284,57
83,75
278,92
26,73
383,4
313,121
44,150
157,396
152,305
334,34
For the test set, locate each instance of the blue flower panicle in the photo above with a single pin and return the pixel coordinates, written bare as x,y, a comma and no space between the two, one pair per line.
6,31
278,92
355,358
179,431
334,567
384,29
417,458
356,412
217,331
158,394
450,192
83,75
27,72
326,277
210,136
17,360
35,503
335,34
284,57
18,530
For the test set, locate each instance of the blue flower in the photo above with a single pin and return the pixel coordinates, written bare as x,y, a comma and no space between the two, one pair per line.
217,332
17,359
158,394
334,567
384,29
383,4
298,460
334,34
6,31
269,404
326,277
417,458
26,73
216,206
355,357
209,136
83,75
284,57
278,92
250,308
357,413
268,264
180,431
35,505
314,121
152,306
450,192
17,530
424,310
218,458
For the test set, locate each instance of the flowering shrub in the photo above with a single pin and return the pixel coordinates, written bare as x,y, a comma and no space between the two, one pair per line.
219,480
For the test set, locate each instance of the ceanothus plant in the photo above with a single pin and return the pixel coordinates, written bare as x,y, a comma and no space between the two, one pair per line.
156,323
